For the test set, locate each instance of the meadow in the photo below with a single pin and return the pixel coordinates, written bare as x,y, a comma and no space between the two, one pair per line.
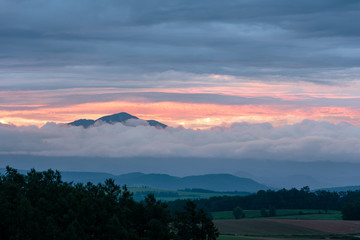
168,195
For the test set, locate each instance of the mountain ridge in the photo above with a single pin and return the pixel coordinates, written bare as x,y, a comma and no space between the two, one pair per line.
150,180
213,182
121,117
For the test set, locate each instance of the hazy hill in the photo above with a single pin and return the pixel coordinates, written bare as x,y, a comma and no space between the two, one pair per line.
159,181
275,174
213,182
84,177
122,117
223,182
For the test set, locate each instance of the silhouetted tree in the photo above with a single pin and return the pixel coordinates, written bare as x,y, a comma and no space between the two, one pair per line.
272,212
264,213
351,211
238,212
41,206
193,224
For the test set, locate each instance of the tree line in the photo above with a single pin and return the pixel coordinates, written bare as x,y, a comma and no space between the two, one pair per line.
348,202
39,205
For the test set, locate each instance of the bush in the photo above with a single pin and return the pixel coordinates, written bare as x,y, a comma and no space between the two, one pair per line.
238,213
264,213
272,212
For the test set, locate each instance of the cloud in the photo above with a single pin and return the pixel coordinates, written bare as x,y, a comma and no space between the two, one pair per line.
276,95
46,44
306,141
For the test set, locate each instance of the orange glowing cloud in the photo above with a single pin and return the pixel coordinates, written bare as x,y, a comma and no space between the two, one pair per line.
288,104
185,114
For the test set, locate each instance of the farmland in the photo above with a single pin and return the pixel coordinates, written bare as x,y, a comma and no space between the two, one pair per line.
305,214
288,228
261,227
169,195
309,224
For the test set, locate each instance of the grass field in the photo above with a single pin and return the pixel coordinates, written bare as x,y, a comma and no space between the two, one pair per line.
306,214
167,195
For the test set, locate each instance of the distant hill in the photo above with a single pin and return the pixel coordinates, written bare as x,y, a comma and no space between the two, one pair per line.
223,182
122,117
341,189
212,182
159,181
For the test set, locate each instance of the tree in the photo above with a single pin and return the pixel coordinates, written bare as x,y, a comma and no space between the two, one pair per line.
207,228
41,206
272,211
193,224
157,218
238,213
351,211
264,213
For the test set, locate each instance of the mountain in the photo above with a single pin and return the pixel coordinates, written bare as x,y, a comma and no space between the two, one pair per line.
223,182
118,117
155,123
213,182
122,117
83,122
275,174
158,181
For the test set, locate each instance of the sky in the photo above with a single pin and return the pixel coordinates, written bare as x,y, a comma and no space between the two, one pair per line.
197,64
288,70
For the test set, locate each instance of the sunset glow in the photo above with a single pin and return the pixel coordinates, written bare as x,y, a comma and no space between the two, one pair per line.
287,104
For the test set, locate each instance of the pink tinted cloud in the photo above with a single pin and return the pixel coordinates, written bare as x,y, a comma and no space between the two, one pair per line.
279,104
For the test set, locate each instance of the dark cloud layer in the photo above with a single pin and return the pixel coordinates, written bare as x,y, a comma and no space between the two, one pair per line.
48,44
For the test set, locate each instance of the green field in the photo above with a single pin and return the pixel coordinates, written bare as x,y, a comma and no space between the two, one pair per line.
167,195
305,214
